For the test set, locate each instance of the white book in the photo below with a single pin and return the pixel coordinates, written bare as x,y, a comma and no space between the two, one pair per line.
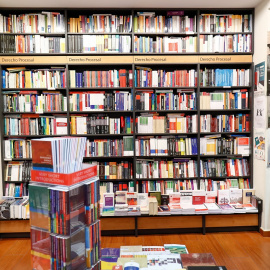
61,125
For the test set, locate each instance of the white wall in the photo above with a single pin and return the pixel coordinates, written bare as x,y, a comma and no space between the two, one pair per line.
261,174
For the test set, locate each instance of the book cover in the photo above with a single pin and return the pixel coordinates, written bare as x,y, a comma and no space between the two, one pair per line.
236,195
108,200
247,195
156,194
42,155
39,201
198,259
223,196
198,197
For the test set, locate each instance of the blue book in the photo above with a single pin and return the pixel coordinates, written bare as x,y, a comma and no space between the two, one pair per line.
240,122
3,78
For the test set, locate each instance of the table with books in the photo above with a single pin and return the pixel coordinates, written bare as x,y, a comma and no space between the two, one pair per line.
166,257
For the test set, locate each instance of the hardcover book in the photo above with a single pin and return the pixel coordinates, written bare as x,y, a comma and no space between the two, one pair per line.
198,259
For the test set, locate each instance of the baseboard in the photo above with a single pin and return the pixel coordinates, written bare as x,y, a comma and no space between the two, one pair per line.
264,233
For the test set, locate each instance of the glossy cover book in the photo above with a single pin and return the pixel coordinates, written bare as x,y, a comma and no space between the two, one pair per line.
39,201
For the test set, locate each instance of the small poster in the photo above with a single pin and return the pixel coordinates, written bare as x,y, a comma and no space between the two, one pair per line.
259,145
259,110
259,77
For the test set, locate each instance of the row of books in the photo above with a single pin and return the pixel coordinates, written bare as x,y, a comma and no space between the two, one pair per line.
220,23
112,187
16,190
53,22
225,146
212,185
146,77
232,99
79,250
224,77
147,146
101,78
35,124
100,101
209,185
147,169
165,146
149,22
225,123
40,22
101,124
31,101
224,167
32,44
47,101
122,44
237,43
18,171
99,44
183,99
35,78
115,170
171,123
17,148
144,44
110,147
11,208
100,23
183,202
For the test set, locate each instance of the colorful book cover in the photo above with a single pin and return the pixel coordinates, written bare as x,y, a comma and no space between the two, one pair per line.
197,259
42,155
39,200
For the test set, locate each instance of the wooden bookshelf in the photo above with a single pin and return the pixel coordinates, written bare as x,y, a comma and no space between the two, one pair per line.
166,60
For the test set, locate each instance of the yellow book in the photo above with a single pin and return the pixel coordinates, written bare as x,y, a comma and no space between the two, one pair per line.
73,125
178,125
28,81
211,147
170,168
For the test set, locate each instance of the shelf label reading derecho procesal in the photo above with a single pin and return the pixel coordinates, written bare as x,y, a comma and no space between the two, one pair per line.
11,60
166,59
225,59
99,59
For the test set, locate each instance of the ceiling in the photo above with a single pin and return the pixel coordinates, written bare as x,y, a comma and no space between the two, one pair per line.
130,4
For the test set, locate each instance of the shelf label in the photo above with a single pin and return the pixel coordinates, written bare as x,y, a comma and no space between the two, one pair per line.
167,59
225,59
99,59
11,60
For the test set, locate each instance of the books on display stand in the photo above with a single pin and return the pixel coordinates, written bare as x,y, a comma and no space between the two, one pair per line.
64,210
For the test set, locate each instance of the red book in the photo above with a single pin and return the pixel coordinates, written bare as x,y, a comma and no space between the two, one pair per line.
198,197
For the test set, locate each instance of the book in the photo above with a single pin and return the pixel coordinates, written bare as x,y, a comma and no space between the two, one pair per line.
223,196
108,200
153,205
198,197
247,195
198,259
156,194
54,154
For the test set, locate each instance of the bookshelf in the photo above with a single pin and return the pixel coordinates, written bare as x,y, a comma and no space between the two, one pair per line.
126,63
